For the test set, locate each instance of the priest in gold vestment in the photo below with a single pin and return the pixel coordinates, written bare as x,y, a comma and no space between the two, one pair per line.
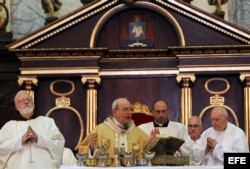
119,129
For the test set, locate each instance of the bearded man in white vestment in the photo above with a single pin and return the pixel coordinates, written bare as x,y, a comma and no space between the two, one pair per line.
30,141
162,125
222,137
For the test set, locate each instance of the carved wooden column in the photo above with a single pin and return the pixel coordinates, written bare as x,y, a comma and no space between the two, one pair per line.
186,81
245,79
92,84
28,83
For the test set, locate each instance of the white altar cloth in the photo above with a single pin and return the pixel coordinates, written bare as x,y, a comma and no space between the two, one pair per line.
143,167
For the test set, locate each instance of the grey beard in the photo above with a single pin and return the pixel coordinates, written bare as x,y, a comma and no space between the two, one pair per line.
27,110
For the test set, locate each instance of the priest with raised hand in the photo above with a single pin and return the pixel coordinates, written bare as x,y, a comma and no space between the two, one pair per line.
118,130
30,141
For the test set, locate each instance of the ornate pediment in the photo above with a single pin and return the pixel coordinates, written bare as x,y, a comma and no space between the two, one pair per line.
99,22
156,37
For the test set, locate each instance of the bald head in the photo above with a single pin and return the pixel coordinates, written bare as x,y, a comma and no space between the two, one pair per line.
194,127
219,118
122,110
160,111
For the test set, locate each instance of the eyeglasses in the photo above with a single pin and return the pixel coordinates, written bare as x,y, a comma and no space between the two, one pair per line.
194,126
24,100
127,110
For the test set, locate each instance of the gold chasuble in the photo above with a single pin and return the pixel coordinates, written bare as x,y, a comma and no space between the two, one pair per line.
118,136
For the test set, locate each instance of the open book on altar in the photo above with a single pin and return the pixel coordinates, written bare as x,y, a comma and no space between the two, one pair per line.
164,145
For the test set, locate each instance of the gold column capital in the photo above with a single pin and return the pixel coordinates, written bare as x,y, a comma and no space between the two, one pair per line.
28,83
185,80
245,76
90,79
27,80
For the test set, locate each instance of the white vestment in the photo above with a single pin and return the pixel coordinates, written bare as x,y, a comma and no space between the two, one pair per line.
69,157
47,153
232,139
174,129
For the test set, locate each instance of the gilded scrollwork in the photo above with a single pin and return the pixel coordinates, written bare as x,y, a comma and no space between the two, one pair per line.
217,99
63,102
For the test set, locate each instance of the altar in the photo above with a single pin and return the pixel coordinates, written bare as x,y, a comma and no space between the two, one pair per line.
143,167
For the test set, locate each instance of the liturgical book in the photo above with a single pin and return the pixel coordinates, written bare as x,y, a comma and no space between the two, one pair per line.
164,145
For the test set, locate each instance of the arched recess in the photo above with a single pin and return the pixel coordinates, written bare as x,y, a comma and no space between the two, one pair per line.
166,28
221,86
63,123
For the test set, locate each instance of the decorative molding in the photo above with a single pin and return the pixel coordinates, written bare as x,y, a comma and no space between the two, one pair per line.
67,22
63,102
99,6
92,84
148,5
245,79
186,81
24,80
209,21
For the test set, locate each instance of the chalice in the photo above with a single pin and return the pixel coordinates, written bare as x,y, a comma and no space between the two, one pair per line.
135,147
119,152
102,157
142,162
105,143
128,159
149,156
99,149
81,158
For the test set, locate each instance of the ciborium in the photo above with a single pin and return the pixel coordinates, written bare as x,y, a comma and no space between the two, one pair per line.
91,162
108,162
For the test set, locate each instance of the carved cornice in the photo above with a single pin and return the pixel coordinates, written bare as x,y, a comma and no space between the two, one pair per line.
58,52
137,53
196,50
148,62
132,53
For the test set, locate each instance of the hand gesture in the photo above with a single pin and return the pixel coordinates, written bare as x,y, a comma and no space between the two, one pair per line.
29,135
211,143
92,141
153,133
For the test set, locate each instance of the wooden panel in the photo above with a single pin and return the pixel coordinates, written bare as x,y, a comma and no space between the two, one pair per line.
144,90
161,29
66,120
234,98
